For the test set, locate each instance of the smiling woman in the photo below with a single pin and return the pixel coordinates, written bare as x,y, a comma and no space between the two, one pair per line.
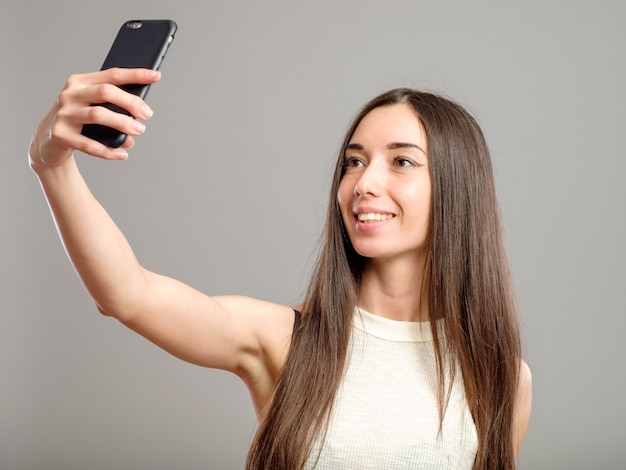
434,275
384,194
408,318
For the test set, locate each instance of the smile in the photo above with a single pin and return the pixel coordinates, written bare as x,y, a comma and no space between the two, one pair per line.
373,217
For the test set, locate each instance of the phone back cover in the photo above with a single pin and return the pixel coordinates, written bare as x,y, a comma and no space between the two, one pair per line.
140,47
138,44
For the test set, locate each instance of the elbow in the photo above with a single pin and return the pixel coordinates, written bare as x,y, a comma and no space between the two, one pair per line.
120,314
121,301
103,311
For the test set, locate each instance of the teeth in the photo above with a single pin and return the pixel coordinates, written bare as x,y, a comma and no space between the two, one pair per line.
372,216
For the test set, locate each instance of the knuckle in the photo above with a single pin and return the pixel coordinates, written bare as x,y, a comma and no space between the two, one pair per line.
64,98
103,92
56,131
67,98
115,74
62,115
95,113
72,81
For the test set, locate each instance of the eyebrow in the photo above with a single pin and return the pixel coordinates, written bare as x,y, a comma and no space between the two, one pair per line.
391,146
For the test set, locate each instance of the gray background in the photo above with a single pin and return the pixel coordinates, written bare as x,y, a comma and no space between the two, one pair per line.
227,191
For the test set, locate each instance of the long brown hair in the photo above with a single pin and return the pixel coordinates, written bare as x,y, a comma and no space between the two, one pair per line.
468,286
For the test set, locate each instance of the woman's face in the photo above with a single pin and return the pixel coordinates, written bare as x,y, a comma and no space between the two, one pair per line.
385,193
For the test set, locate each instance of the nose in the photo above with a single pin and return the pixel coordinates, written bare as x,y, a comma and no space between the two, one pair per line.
371,181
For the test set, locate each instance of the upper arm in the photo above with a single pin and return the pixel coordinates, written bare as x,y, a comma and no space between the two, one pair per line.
231,333
523,405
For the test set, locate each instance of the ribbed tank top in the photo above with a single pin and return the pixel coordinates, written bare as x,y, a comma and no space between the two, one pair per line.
385,414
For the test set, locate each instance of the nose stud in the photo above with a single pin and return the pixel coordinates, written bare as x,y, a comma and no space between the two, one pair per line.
356,190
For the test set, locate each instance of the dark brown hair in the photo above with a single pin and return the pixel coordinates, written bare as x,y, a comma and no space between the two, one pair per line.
467,282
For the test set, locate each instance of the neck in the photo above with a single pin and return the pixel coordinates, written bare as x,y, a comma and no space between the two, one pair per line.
393,289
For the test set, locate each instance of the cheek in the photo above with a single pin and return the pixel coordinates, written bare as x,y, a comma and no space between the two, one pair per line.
426,208
345,194
420,197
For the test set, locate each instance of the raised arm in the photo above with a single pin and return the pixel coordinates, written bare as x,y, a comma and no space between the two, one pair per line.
246,336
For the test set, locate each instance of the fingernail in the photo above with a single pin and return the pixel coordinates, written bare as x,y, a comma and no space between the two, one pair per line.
121,154
139,127
146,111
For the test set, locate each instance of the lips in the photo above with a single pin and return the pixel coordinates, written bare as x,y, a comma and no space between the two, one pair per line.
370,218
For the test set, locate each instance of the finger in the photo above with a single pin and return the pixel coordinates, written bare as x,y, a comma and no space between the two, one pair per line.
115,76
108,93
106,117
121,76
96,149
129,142
64,135
103,87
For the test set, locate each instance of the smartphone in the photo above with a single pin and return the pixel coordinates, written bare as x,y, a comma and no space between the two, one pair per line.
138,44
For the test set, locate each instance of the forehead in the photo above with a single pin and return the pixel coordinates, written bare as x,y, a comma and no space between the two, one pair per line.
390,123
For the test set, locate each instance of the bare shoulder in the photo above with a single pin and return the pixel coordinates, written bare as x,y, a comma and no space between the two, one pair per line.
523,404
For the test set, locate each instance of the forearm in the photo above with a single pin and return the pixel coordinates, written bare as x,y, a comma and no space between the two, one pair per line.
96,247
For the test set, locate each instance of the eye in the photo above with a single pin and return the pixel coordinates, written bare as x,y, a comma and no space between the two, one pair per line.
404,162
352,162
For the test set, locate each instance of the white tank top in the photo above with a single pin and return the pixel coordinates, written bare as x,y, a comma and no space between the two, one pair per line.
385,414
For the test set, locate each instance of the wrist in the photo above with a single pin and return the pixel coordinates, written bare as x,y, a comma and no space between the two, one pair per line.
44,170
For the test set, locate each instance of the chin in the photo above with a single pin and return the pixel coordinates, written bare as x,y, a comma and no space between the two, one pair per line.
386,253
371,252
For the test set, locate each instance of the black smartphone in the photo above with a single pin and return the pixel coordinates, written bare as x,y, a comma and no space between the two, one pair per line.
138,44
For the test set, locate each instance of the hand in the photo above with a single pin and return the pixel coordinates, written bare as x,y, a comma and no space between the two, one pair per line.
59,132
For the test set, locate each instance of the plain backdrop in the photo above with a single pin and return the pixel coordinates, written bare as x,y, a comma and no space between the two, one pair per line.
227,191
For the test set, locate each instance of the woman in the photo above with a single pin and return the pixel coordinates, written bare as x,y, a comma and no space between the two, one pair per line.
405,352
